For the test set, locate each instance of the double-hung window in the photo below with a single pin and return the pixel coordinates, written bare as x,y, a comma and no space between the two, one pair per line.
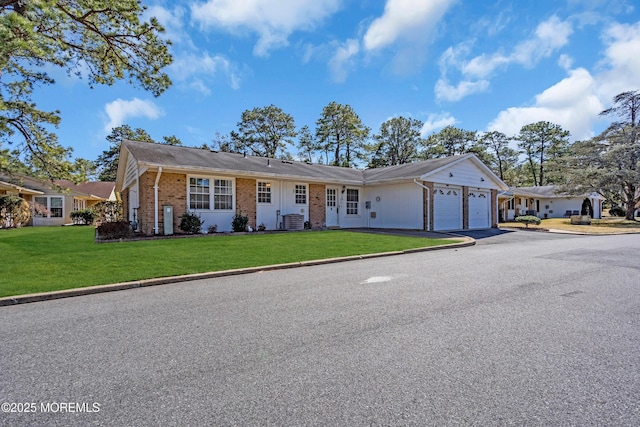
264,192
222,194
49,206
352,201
199,197
301,194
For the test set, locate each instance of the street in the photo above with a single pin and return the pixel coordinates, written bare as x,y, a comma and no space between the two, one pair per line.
524,328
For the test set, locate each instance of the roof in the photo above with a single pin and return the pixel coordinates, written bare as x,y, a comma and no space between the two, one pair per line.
97,190
198,159
544,192
28,185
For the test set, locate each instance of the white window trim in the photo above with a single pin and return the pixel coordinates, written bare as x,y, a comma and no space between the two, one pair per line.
212,179
270,186
346,206
306,194
48,207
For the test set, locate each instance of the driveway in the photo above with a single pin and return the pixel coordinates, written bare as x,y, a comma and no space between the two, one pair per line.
539,330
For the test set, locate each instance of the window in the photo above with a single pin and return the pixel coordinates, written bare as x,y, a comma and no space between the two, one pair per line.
264,192
199,197
511,204
352,201
79,204
56,207
49,206
42,208
301,194
222,194
331,197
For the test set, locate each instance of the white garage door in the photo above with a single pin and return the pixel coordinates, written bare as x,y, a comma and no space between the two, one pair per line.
479,207
447,208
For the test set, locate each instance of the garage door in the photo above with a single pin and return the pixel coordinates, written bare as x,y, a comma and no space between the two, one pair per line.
447,208
479,207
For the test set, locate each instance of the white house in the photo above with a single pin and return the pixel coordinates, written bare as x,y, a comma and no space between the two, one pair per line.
158,183
545,202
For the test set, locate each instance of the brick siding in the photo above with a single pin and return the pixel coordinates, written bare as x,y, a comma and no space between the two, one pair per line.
317,205
246,196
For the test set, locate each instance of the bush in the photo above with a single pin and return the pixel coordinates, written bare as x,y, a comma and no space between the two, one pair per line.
212,229
240,222
528,219
617,211
262,227
114,230
14,211
86,216
190,223
108,211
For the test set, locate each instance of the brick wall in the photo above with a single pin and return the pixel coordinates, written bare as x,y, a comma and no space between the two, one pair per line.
317,205
465,208
172,190
494,206
246,195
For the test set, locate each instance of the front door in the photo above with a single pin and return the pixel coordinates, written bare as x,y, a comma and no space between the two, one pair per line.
332,207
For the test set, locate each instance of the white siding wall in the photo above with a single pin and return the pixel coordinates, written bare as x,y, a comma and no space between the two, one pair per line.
212,217
352,221
399,206
289,205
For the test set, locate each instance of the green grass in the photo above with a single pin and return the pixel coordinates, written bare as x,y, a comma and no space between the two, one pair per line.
42,259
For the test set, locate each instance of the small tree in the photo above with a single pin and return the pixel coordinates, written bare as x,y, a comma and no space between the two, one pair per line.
587,207
14,211
528,219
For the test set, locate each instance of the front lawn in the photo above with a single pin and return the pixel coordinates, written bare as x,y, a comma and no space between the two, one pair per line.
42,259
607,225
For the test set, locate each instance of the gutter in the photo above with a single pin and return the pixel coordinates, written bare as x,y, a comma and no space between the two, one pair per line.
156,229
415,181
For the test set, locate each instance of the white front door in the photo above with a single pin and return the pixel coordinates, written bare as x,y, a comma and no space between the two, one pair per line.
332,207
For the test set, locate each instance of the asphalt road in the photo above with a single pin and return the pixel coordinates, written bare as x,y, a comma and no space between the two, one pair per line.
523,329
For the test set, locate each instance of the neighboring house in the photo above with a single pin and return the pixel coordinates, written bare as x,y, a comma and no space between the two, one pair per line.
56,200
545,202
158,183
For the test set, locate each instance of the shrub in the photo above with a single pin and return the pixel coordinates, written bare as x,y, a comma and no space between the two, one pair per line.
190,223
239,222
108,211
307,225
262,227
114,230
14,211
587,207
617,211
528,219
212,229
86,216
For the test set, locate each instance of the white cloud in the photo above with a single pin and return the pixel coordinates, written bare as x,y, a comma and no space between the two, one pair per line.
435,122
343,59
409,20
120,110
447,92
194,69
550,35
171,20
272,20
621,61
571,103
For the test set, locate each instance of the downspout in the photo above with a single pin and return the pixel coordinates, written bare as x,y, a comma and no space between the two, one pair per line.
155,197
415,181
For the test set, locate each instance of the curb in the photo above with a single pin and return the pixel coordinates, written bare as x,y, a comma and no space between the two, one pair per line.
90,290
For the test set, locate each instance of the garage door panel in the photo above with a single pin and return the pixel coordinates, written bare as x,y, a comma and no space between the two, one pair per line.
479,205
447,208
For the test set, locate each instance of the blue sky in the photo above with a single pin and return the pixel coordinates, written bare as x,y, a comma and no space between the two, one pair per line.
477,65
